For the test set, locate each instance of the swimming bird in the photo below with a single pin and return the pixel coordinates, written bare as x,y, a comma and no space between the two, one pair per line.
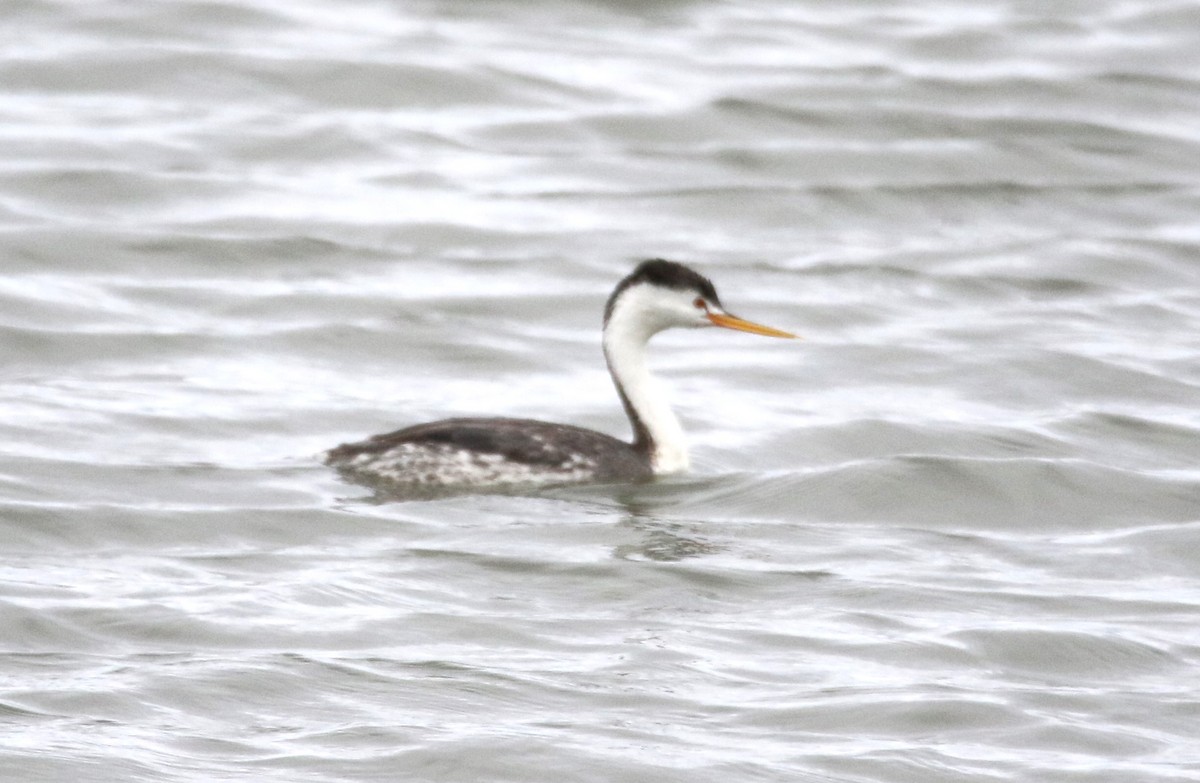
480,452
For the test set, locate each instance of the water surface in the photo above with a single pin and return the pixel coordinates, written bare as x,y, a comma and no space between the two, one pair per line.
952,535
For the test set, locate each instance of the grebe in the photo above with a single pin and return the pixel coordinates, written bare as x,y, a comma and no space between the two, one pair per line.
469,452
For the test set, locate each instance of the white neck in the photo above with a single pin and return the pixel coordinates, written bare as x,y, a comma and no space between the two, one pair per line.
625,338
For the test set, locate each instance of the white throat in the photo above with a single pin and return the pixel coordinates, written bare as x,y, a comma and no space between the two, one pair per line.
625,338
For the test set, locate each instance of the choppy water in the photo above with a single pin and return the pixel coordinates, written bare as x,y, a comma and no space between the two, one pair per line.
953,535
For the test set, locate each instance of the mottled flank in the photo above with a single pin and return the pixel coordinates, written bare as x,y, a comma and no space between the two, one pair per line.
488,451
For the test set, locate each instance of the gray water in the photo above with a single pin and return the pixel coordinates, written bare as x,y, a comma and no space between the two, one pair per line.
953,535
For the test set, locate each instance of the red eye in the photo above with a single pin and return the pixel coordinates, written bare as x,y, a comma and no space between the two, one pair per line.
700,304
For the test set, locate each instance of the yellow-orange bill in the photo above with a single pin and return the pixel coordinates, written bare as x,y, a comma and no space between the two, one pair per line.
733,322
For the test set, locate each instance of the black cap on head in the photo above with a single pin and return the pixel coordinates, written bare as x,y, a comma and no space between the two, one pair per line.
666,274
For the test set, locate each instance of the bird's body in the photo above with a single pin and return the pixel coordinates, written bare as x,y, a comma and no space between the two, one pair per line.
481,452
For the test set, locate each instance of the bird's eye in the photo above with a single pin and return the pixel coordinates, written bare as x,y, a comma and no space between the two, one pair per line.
700,304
